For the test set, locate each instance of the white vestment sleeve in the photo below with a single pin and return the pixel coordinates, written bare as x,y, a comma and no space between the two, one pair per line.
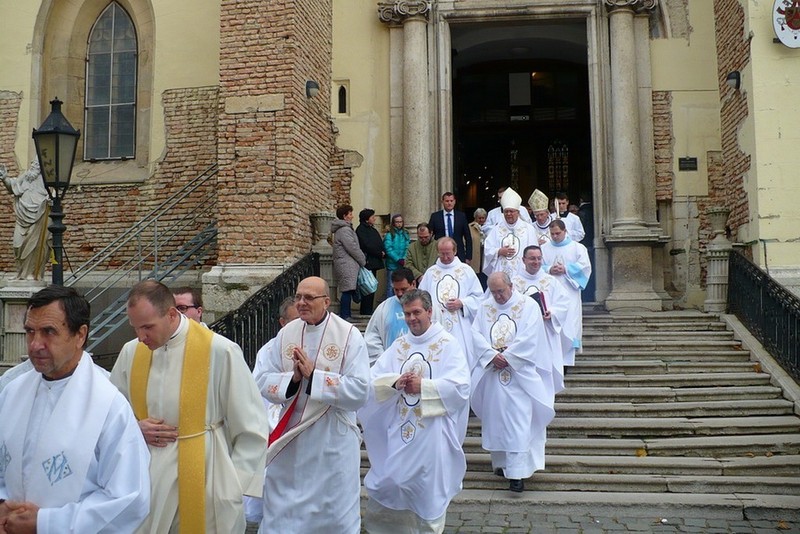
245,418
484,352
373,336
271,380
122,501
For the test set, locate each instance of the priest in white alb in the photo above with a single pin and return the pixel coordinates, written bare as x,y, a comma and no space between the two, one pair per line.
553,301
199,411
506,240
414,425
572,222
72,458
318,369
455,291
509,395
568,262
539,204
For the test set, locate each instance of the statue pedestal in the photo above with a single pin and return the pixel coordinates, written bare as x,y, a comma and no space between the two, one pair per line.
14,297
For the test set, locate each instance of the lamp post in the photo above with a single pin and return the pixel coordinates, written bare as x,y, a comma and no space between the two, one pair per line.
56,141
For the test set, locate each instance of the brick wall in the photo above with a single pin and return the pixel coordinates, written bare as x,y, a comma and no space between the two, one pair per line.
275,164
96,214
733,51
9,115
664,142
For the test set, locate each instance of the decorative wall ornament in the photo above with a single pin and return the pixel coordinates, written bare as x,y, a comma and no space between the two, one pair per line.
637,5
398,11
786,21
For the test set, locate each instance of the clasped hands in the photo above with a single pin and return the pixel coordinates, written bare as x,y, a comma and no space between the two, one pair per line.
409,382
499,361
18,517
558,268
303,366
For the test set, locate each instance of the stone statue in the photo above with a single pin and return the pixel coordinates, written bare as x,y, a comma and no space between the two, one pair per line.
32,210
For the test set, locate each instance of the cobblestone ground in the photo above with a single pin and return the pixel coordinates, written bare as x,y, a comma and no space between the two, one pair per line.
522,523
476,522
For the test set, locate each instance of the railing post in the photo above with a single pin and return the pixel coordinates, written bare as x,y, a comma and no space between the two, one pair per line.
718,253
321,222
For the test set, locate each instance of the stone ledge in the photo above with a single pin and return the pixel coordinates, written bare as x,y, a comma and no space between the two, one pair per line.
251,104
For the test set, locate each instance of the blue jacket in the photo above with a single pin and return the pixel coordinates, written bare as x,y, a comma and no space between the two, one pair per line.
395,245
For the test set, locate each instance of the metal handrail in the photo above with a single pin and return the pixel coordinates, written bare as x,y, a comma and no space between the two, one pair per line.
767,309
256,320
136,231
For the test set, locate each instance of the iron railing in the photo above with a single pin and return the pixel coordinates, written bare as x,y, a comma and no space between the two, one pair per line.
768,310
256,321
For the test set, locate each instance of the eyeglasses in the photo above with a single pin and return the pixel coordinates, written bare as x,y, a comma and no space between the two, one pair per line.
184,307
308,298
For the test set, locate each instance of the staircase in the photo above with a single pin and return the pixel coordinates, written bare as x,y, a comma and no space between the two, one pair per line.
663,410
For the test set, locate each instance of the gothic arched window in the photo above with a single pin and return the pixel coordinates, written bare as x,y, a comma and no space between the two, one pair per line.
110,116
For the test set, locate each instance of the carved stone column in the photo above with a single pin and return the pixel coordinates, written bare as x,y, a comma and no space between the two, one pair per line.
718,252
417,144
631,240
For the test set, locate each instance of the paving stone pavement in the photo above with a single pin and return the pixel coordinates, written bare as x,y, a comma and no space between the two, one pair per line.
537,523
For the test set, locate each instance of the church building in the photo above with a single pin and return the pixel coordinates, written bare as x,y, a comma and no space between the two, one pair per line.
655,111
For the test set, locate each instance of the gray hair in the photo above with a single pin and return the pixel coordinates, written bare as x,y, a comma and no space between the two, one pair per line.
480,212
283,309
502,275
417,294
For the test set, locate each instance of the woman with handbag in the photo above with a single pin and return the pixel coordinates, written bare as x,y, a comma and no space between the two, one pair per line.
347,258
372,245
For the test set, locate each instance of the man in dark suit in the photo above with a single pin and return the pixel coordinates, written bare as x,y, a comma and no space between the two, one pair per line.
452,223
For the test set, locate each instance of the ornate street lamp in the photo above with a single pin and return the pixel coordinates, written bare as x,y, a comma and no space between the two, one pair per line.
56,141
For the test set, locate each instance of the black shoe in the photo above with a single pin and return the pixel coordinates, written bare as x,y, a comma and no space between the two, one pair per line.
516,485
499,472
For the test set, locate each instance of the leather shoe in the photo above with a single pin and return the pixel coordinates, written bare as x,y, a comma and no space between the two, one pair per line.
499,472
516,485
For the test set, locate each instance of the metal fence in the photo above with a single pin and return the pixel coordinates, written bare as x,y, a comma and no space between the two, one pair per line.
256,321
768,310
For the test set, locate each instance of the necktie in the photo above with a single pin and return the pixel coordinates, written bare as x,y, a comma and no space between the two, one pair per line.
449,225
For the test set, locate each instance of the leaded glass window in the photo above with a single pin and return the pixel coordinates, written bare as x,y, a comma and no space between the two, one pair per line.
110,114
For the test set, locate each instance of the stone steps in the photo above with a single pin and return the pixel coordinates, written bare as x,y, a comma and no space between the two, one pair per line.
778,466
590,336
727,408
649,344
675,379
661,408
654,366
668,394
650,427
665,355
644,427
646,483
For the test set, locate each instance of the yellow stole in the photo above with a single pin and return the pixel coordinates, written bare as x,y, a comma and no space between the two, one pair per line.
191,420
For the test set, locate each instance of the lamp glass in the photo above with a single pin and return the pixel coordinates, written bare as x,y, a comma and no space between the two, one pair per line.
56,142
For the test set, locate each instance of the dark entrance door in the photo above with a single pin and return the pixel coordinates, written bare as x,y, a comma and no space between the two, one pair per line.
521,113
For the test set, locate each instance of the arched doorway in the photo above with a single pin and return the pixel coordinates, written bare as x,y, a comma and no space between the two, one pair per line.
521,111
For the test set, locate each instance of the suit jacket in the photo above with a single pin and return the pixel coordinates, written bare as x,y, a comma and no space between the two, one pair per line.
461,232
